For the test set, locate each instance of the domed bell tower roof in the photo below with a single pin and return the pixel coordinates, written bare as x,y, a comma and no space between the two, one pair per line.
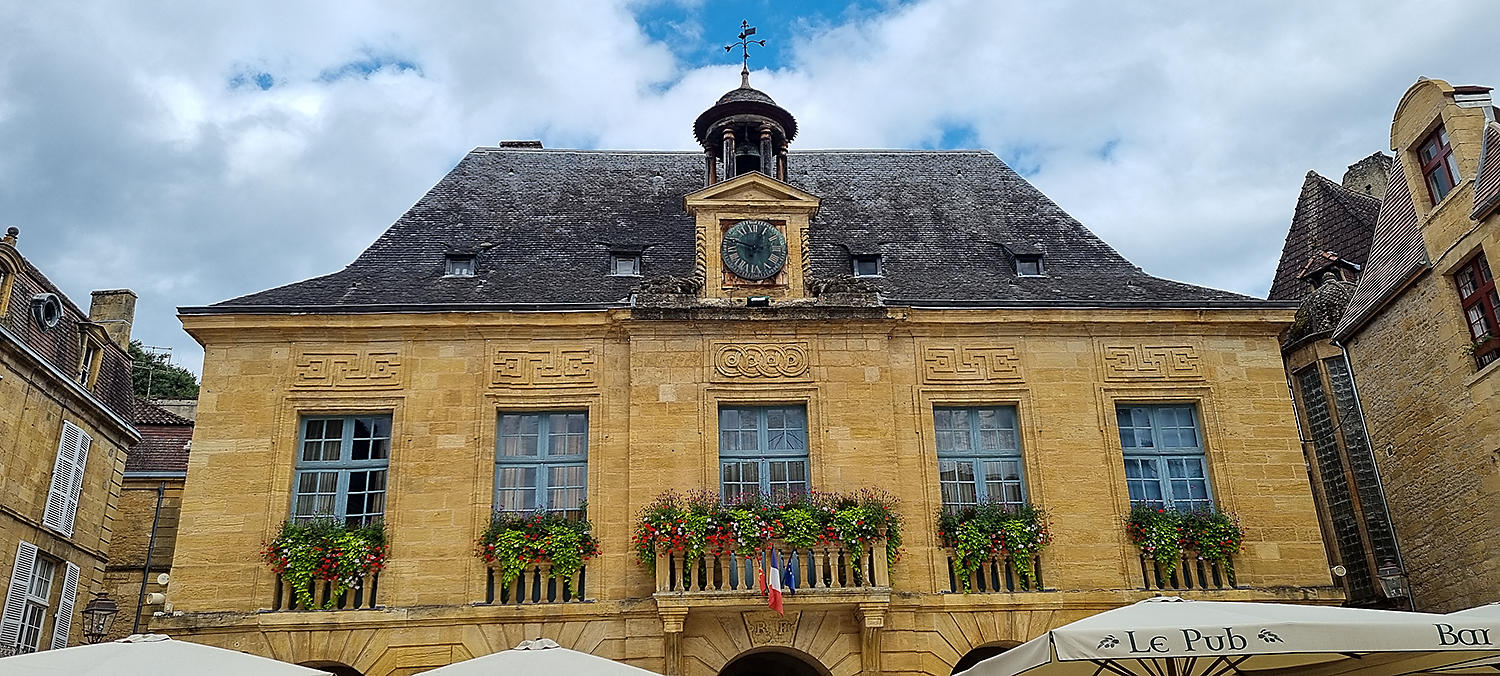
742,105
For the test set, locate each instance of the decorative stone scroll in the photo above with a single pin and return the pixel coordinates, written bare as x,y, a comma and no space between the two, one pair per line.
970,364
348,369
767,627
554,367
760,360
1150,362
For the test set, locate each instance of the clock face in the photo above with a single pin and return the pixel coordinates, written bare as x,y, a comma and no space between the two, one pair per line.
754,250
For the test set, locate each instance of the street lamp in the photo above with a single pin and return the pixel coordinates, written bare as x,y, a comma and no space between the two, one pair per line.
97,616
1392,579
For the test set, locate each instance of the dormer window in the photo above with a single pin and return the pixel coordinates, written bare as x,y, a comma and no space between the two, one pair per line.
625,264
1438,166
460,265
88,363
1029,265
867,265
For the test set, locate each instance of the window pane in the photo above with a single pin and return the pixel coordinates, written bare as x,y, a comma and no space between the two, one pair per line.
739,478
321,440
41,579
1003,481
787,477
568,433
515,489
565,487
786,429
371,439
366,499
956,481
737,431
518,435
1185,484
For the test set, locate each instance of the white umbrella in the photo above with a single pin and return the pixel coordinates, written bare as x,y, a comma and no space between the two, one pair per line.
147,655
1484,666
542,657
1171,636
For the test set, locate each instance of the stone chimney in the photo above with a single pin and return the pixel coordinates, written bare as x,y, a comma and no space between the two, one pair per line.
1368,176
114,309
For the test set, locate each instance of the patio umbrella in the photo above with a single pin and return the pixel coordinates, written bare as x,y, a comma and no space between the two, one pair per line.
147,655
541,657
1483,666
1171,636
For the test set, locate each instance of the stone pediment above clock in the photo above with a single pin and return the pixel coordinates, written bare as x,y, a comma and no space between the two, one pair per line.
753,191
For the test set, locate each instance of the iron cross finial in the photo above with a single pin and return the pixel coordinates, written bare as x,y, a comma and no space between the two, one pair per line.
746,30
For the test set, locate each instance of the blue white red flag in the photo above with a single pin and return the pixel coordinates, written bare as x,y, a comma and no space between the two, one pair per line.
773,583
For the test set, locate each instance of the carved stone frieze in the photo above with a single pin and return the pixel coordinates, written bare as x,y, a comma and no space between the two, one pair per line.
541,366
970,363
1150,361
368,369
768,627
760,360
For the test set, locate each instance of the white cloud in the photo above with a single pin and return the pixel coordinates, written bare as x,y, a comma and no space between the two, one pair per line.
197,152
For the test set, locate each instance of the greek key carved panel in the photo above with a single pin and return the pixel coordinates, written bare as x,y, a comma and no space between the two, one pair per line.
538,366
374,369
970,364
1150,362
768,627
760,360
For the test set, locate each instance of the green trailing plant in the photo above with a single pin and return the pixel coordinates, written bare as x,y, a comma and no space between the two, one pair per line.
700,523
326,549
1158,532
1477,343
990,530
1165,534
515,540
1216,536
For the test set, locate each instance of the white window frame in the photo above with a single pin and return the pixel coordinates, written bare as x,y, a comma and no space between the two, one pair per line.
25,612
856,259
619,257
67,479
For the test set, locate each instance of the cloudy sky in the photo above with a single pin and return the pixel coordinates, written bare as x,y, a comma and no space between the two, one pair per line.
195,152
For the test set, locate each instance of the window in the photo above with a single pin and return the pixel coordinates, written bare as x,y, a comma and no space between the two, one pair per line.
1476,291
979,456
1438,166
541,461
762,450
87,361
625,264
1164,462
460,265
1029,265
33,580
67,479
341,468
867,265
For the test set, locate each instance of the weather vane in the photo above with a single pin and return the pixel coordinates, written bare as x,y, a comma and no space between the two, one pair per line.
746,30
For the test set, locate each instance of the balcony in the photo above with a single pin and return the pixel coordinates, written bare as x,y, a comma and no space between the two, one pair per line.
995,574
323,597
821,568
1191,573
536,585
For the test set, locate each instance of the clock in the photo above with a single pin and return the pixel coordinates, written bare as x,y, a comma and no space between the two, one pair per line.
754,250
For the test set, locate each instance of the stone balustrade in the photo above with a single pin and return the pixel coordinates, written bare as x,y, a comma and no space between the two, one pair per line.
996,574
820,567
536,585
358,598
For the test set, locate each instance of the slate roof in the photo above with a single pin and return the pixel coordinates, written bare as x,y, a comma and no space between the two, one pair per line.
1328,218
544,222
1397,256
166,440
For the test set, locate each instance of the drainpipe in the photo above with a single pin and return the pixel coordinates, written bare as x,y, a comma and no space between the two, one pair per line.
135,627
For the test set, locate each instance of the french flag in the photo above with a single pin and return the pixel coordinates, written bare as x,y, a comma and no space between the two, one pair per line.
770,583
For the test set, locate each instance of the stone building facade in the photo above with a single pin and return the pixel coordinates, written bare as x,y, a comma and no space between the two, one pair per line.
64,422
859,297
1419,333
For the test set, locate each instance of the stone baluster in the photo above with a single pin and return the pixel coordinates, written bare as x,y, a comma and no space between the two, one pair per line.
663,571
882,564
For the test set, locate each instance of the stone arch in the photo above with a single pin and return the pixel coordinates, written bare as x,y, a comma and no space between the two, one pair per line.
335,668
981,653
774,661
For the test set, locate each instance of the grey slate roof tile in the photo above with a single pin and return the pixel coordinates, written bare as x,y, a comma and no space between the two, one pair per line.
1328,217
543,223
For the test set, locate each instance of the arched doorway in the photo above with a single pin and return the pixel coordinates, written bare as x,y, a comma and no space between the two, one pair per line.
773,663
981,654
334,668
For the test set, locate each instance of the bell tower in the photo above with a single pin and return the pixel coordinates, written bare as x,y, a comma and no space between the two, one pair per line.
745,130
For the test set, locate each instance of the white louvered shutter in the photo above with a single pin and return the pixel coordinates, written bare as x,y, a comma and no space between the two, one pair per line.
62,623
15,594
80,462
67,479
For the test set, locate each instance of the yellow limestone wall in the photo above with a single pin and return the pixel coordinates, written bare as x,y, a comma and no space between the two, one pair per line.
652,389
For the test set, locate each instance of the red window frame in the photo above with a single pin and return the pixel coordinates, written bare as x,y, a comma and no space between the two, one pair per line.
1479,298
1439,169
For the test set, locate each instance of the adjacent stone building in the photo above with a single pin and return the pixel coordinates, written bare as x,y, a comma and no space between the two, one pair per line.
925,322
64,431
1420,333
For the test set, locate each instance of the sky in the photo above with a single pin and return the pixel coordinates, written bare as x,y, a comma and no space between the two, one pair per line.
195,151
